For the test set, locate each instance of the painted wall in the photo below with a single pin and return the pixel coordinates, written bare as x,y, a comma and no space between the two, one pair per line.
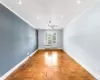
82,40
41,38
17,38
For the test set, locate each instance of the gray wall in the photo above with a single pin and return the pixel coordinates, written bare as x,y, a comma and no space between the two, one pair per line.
41,38
17,38
82,40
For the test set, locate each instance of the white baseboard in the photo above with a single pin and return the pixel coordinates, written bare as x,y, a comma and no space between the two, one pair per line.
49,48
18,65
93,74
33,53
1,78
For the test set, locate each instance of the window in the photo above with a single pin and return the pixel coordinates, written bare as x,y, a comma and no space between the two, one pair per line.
50,37
54,38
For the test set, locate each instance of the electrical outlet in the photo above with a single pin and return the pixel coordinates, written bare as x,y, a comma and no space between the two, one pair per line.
28,53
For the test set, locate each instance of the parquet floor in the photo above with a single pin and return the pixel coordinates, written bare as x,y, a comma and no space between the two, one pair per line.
50,65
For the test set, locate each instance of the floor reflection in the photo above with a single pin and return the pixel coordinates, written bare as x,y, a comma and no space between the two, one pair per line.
51,59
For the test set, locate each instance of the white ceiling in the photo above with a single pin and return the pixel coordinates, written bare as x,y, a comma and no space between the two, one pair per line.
38,12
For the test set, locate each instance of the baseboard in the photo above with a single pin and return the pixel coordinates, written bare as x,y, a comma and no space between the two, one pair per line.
49,48
96,76
33,53
18,65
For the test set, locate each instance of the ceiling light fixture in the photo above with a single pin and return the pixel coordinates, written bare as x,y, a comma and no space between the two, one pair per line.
78,1
51,25
19,2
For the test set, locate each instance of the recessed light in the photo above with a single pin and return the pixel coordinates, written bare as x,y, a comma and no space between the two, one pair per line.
78,1
37,17
19,2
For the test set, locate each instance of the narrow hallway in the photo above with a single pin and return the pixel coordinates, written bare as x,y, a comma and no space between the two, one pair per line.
50,65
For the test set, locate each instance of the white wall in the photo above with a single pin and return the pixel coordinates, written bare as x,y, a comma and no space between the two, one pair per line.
41,38
82,40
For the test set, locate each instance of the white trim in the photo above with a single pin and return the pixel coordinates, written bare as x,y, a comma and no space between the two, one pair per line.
17,14
33,53
49,48
18,65
97,78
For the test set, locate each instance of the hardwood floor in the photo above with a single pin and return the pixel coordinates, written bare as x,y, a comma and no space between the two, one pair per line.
50,65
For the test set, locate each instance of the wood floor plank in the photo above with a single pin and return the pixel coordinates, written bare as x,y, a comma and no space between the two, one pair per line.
50,65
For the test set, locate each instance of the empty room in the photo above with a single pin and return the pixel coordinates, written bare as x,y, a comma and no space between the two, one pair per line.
49,39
